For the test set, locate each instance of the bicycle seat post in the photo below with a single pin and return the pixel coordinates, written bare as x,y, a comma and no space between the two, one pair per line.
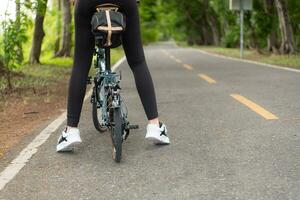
107,59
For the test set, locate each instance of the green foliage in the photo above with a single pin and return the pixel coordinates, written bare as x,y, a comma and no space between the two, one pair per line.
39,5
14,35
149,18
231,38
259,24
50,31
189,21
294,11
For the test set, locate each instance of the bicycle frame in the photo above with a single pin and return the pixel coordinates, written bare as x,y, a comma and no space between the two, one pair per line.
106,84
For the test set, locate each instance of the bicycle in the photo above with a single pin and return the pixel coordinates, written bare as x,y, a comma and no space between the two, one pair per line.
109,111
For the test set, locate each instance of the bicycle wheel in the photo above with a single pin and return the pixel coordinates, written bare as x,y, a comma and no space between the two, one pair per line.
97,116
116,134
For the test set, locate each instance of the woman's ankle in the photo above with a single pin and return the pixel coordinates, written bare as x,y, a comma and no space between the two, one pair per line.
71,127
154,121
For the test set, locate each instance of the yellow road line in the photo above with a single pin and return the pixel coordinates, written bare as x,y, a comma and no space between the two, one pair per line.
207,78
177,60
189,67
253,106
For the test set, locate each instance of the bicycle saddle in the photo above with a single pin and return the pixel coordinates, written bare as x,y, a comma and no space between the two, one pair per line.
107,6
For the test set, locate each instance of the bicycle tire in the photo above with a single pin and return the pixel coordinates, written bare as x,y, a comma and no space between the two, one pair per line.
96,122
116,134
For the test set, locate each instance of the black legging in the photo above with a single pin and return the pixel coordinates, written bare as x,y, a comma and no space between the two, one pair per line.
84,46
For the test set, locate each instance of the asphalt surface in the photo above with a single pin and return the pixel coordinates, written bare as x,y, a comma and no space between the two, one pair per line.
220,149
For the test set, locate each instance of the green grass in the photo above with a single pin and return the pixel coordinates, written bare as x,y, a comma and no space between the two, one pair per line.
116,54
48,59
292,61
35,76
57,61
51,71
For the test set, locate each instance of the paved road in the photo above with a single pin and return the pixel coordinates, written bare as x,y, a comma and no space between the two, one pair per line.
222,147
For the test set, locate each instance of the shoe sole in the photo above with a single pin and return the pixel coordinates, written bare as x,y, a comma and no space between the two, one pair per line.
70,147
157,141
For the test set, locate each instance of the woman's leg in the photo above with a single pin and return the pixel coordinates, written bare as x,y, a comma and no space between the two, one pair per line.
84,46
136,59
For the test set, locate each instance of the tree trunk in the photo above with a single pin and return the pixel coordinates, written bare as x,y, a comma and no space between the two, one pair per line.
287,34
206,35
65,51
2,67
253,41
18,14
38,37
39,33
58,26
19,49
212,21
251,34
272,39
273,46
8,78
201,25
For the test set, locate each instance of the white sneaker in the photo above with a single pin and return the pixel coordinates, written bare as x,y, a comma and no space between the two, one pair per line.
157,134
68,139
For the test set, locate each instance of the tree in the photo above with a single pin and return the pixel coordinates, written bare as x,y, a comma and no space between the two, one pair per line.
57,4
259,26
39,33
294,13
65,51
198,29
14,35
212,21
287,34
19,49
272,39
18,13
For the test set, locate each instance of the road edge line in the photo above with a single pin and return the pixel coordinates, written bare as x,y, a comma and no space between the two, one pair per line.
25,155
249,61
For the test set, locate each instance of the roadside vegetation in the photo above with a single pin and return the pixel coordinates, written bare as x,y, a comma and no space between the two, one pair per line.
292,61
272,29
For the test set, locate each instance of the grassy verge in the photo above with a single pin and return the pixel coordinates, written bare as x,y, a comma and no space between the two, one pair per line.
53,70
292,61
